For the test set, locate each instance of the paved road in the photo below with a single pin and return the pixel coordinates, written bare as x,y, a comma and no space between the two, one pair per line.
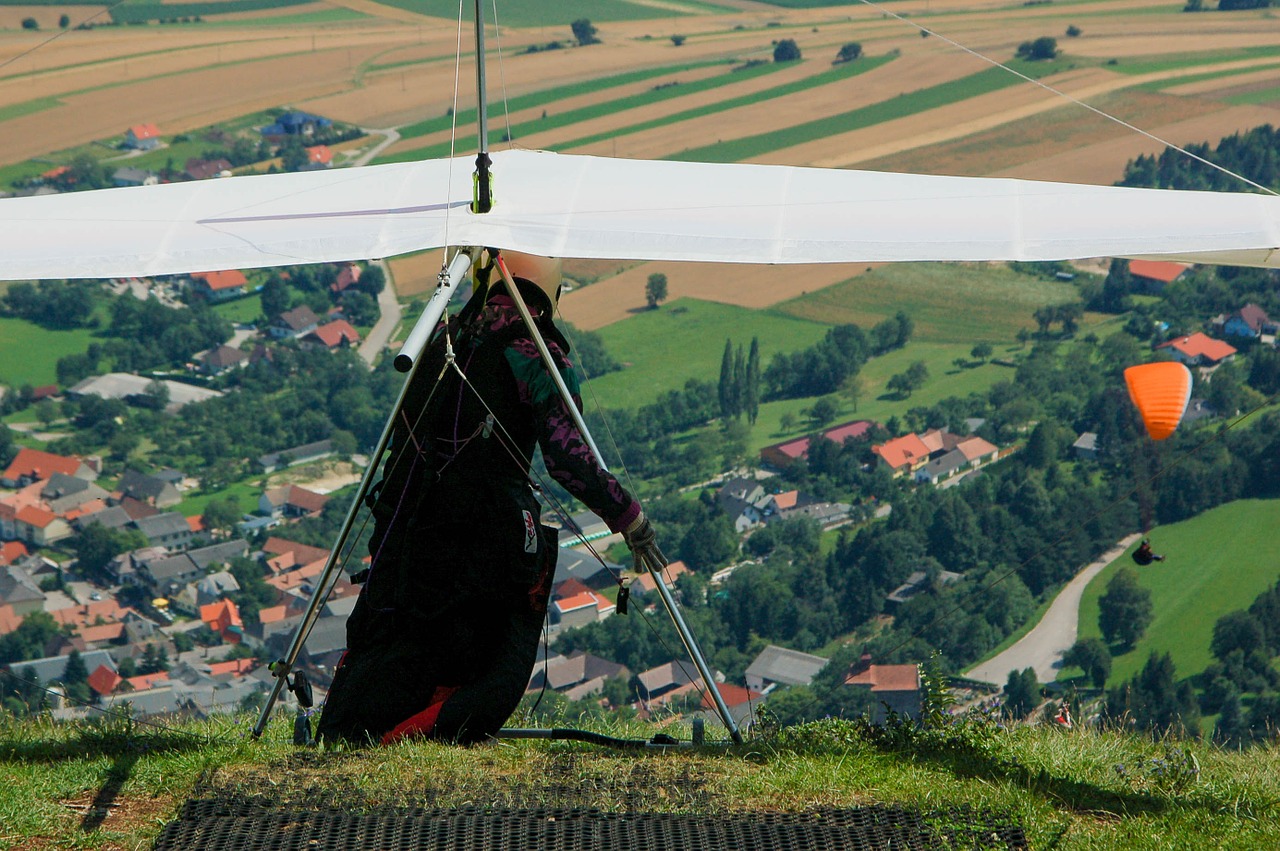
388,306
1043,646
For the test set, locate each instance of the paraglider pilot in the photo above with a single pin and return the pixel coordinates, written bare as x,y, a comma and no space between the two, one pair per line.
1143,555
444,636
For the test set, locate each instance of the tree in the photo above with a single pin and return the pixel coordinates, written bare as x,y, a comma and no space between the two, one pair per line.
222,514
1238,630
583,32
1045,47
751,393
787,422
655,290
1073,31
725,387
30,24
75,678
372,280
823,411
852,389
848,52
64,21
677,40
981,351
97,545
1124,609
1091,656
1021,692
293,156
274,296
786,50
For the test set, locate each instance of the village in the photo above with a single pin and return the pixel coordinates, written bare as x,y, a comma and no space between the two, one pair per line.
158,628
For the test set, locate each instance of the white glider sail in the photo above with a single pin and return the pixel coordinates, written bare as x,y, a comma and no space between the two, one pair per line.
594,207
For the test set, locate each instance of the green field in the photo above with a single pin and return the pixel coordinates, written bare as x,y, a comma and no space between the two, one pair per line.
29,107
29,354
949,302
141,12
685,339
1178,62
1216,563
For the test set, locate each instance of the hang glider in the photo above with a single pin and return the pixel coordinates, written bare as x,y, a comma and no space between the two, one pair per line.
595,207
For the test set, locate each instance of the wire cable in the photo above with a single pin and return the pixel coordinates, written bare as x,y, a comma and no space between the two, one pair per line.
1070,98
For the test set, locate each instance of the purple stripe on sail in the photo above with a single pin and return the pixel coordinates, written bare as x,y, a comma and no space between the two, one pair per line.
341,214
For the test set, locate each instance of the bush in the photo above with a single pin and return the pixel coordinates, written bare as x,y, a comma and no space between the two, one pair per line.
786,50
30,24
1042,48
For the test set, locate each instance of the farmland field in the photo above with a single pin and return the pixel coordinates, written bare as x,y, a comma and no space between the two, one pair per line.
948,303
1215,563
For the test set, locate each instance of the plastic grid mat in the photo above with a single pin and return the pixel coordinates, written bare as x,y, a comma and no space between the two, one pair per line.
283,812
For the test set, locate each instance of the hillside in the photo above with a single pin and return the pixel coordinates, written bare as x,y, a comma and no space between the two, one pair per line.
114,787
1215,563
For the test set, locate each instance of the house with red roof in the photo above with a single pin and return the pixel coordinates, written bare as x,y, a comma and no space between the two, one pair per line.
348,276
1152,276
223,617
790,451
32,465
895,685
902,455
219,286
741,702
198,169
11,551
1199,350
291,502
39,526
644,584
584,607
104,681
318,157
142,137
338,334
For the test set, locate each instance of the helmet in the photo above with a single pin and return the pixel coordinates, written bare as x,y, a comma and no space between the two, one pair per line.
543,271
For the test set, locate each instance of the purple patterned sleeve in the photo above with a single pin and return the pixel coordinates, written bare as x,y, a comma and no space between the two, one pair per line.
565,451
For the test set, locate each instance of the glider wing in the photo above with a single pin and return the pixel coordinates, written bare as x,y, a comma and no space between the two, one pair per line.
596,207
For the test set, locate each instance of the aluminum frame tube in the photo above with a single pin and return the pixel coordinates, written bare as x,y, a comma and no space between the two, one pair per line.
686,637
421,333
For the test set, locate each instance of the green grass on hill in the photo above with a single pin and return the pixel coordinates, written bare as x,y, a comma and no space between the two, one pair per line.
1061,789
29,354
684,339
1216,563
949,302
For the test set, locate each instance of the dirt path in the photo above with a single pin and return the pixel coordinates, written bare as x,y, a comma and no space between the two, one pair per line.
1042,647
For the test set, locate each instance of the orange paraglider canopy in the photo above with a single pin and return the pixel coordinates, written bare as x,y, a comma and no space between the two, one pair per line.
1161,391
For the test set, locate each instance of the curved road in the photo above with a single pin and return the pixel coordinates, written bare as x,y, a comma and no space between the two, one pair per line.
1042,647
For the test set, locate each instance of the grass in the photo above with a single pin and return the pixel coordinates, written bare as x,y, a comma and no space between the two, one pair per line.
29,354
948,302
1260,96
1217,562
685,339
246,309
245,493
739,150
27,107
1062,789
